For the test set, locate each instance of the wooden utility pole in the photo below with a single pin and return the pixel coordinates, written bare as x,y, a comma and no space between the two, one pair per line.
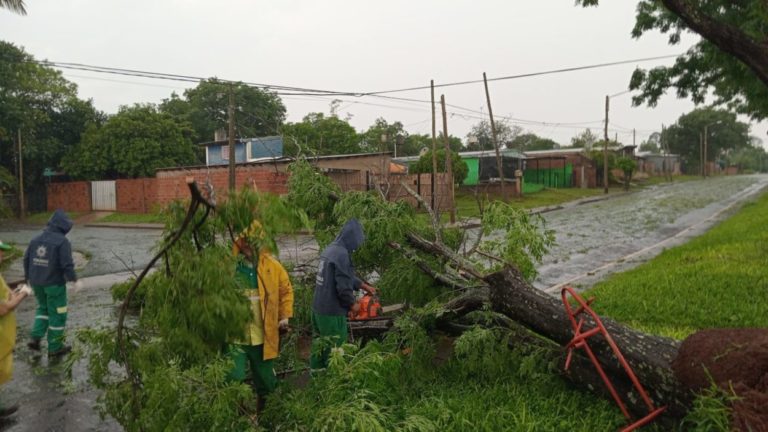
434,150
633,138
448,164
701,153
22,208
495,142
704,157
231,138
605,148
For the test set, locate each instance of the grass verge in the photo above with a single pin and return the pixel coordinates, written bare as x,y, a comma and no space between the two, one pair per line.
42,217
133,218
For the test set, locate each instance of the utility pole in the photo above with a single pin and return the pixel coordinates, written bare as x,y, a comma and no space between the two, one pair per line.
448,164
231,138
605,148
704,157
22,209
434,150
633,138
495,142
701,153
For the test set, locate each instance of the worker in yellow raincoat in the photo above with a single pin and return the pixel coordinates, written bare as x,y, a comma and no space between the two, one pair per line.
8,302
270,293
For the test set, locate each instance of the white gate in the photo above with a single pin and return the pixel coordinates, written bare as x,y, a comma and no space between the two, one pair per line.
103,196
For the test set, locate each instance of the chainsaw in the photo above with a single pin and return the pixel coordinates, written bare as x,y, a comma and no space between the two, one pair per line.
370,307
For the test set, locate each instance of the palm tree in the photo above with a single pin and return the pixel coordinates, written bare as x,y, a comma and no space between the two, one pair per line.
14,5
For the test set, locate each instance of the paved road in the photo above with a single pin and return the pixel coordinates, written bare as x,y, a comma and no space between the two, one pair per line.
590,236
596,239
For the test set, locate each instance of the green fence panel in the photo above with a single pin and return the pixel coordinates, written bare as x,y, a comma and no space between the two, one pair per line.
550,177
473,175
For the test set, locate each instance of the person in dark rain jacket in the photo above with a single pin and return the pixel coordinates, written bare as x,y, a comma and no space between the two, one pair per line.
334,296
48,267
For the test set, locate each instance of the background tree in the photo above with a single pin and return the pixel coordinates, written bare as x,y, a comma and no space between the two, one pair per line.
748,159
628,166
424,165
585,140
726,134
317,134
652,144
133,143
14,6
38,102
257,112
729,29
505,133
531,141
370,140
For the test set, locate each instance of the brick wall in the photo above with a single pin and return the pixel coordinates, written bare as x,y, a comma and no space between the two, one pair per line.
136,195
70,196
171,184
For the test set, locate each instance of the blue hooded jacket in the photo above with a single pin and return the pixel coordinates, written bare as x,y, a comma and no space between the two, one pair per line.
336,281
48,258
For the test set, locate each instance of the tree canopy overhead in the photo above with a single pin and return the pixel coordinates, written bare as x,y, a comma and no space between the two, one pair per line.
729,29
481,131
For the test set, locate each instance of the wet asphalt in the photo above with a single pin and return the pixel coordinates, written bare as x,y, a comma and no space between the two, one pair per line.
593,240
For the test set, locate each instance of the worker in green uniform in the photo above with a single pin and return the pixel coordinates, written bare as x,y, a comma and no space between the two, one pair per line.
334,297
48,267
270,294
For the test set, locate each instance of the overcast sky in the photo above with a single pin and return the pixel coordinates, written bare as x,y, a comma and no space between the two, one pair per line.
364,46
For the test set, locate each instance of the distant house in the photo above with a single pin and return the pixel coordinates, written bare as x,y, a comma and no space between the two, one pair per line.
482,165
246,150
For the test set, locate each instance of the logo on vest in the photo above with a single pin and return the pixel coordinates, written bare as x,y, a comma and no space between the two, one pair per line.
40,259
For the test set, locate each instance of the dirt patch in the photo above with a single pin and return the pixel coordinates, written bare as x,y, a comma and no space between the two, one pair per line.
734,359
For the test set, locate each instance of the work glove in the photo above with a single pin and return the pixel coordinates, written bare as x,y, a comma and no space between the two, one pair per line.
24,289
283,324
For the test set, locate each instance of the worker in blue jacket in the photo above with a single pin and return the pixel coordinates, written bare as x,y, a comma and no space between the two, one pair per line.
334,297
48,267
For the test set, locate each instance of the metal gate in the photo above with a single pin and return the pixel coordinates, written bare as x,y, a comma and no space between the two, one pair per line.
103,196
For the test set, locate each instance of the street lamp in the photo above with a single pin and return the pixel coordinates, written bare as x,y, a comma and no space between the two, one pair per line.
704,147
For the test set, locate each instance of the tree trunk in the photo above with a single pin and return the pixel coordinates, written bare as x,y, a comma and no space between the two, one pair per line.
649,356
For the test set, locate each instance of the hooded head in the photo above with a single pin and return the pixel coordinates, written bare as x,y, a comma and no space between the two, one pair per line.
60,222
351,235
253,233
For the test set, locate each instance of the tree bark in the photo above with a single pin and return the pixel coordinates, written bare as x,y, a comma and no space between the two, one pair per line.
649,356
754,54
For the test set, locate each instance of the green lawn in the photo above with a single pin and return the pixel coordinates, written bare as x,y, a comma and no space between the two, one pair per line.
42,218
466,204
133,218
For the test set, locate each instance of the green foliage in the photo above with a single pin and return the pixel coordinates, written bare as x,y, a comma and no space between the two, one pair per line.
311,191
530,141
524,240
752,158
37,101
628,165
707,66
396,385
14,6
586,140
370,140
458,166
7,184
318,135
725,132
133,143
711,411
257,112
481,131
191,308
652,144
